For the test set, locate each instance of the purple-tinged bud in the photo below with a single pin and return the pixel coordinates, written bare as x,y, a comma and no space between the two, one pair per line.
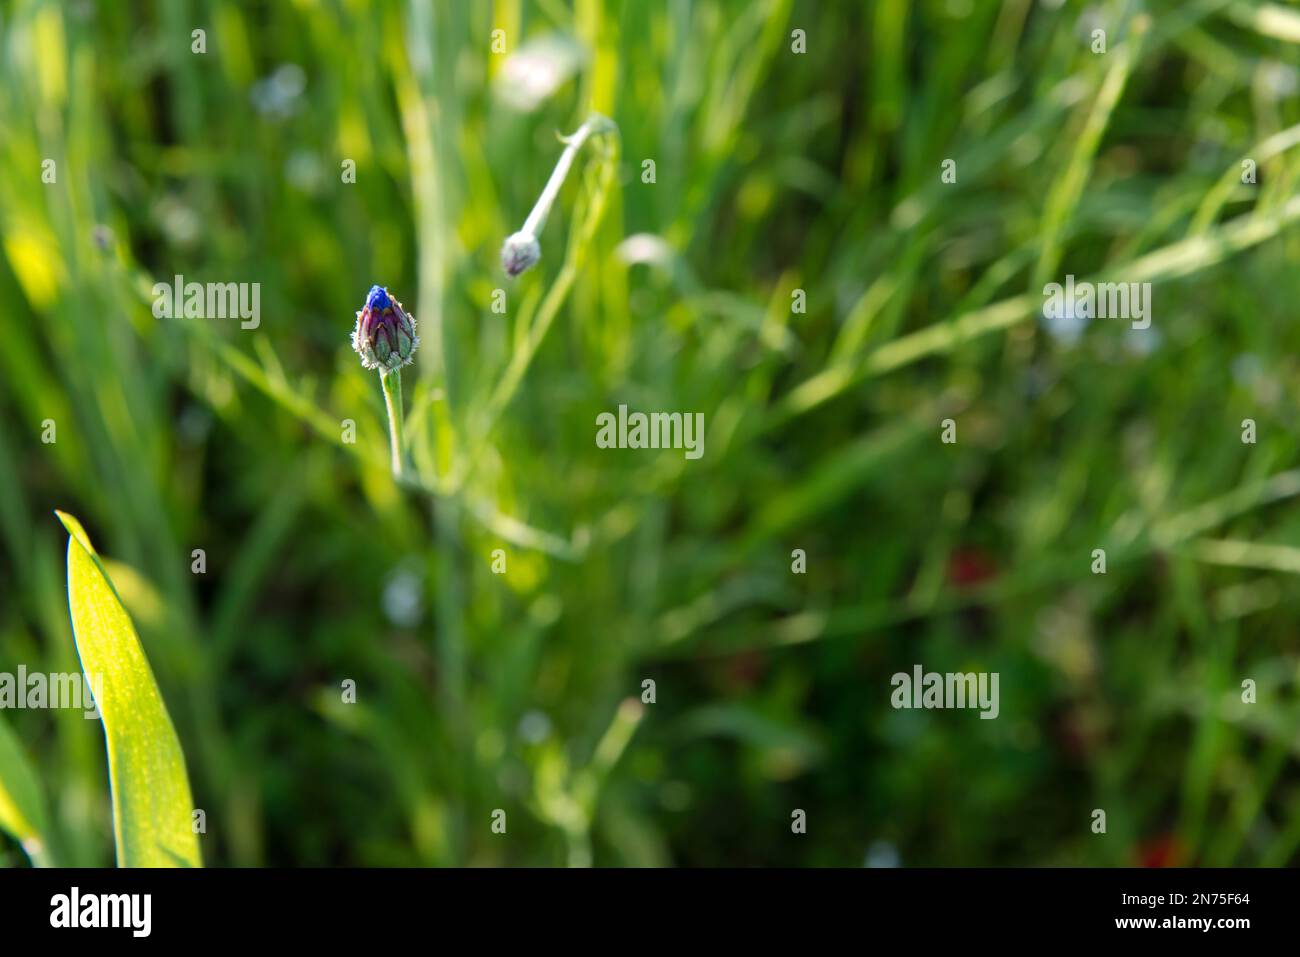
520,253
385,334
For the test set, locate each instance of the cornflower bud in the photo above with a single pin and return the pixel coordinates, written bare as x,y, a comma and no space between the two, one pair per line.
385,333
385,339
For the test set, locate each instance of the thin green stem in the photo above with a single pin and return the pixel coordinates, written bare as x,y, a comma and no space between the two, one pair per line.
392,383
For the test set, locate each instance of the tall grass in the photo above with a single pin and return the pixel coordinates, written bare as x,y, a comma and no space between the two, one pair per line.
775,172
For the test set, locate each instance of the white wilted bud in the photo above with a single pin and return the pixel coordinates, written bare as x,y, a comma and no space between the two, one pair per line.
520,253
521,250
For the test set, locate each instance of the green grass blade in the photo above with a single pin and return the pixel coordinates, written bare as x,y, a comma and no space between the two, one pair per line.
152,806
22,810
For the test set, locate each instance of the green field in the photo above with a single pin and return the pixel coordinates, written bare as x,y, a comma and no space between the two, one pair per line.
826,227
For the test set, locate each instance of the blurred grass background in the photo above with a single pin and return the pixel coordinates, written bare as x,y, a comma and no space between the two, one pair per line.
775,171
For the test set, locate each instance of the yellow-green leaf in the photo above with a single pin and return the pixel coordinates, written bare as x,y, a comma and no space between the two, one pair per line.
152,806
22,811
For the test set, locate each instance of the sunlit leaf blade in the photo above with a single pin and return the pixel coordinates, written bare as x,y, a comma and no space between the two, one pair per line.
152,806
22,810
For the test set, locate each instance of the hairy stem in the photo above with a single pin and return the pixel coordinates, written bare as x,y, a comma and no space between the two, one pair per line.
391,380
537,218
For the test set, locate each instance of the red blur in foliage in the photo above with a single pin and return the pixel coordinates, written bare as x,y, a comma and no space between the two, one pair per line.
1162,851
746,668
968,567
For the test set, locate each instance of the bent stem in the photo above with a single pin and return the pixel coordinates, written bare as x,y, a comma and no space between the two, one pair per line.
391,380
594,125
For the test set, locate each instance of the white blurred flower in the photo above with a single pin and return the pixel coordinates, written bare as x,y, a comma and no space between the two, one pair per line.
179,222
1068,326
882,854
1247,368
403,599
645,248
304,171
1278,80
1142,342
537,69
534,727
277,95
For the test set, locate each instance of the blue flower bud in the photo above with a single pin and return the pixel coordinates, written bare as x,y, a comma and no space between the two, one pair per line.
385,334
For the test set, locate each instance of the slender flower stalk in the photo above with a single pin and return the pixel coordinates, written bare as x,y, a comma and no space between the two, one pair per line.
521,250
385,339
392,386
